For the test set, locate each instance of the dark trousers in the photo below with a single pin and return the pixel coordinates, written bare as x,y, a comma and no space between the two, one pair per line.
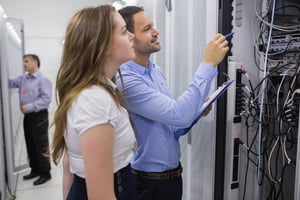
158,188
123,185
36,138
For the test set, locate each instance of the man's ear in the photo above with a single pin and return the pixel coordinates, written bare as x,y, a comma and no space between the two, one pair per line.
36,63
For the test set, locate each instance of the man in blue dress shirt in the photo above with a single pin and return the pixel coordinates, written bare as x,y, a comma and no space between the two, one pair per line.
35,92
156,115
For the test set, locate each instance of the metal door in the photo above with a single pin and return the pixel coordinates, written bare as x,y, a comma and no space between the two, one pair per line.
11,53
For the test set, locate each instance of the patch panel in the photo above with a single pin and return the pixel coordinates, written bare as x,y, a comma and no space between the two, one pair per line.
284,60
285,43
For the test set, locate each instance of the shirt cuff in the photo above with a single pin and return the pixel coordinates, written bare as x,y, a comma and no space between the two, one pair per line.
29,108
206,71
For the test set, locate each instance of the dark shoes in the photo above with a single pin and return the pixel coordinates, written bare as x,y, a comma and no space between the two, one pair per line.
30,176
41,180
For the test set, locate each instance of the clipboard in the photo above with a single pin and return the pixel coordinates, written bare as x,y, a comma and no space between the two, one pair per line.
215,95
212,98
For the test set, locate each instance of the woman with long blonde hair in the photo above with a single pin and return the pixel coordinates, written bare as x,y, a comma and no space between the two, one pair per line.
92,129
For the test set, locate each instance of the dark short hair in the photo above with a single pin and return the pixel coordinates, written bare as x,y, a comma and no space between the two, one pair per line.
33,57
127,14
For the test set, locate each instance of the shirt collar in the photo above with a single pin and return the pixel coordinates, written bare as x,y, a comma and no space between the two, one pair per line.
139,68
34,75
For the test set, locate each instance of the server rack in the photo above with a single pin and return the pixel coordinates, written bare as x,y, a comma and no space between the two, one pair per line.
262,154
2,159
12,137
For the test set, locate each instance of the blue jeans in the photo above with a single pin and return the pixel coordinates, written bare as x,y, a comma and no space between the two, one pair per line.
123,184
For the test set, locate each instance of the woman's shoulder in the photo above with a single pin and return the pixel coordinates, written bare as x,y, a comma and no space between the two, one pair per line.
94,95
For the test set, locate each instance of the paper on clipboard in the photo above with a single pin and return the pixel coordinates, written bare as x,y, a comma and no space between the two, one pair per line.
214,96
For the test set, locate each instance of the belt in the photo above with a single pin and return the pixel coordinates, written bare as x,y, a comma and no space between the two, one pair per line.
172,174
36,113
122,171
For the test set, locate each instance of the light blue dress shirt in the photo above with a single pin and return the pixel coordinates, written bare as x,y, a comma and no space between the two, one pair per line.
35,91
157,115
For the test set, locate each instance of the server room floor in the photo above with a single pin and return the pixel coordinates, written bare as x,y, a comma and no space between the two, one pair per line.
51,190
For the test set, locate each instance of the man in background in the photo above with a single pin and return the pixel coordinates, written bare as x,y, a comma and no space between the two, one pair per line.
156,115
35,93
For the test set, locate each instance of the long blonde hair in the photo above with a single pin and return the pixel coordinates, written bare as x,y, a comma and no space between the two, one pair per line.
88,36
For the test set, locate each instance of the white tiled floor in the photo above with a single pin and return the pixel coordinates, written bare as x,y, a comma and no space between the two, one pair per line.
51,190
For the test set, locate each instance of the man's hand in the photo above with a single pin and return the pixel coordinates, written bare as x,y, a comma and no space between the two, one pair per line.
207,110
23,108
215,50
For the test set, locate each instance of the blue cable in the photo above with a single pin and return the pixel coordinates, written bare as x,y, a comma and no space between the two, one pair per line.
262,100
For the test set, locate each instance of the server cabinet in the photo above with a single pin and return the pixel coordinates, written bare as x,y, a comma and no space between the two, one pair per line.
2,159
264,129
12,51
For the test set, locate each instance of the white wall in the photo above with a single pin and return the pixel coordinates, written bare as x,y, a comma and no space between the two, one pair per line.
44,27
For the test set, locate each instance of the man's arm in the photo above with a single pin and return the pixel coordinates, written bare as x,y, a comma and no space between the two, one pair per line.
150,103
14,83
183,131
44,99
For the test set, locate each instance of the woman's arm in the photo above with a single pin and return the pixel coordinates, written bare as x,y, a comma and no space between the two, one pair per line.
97,149
67,176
